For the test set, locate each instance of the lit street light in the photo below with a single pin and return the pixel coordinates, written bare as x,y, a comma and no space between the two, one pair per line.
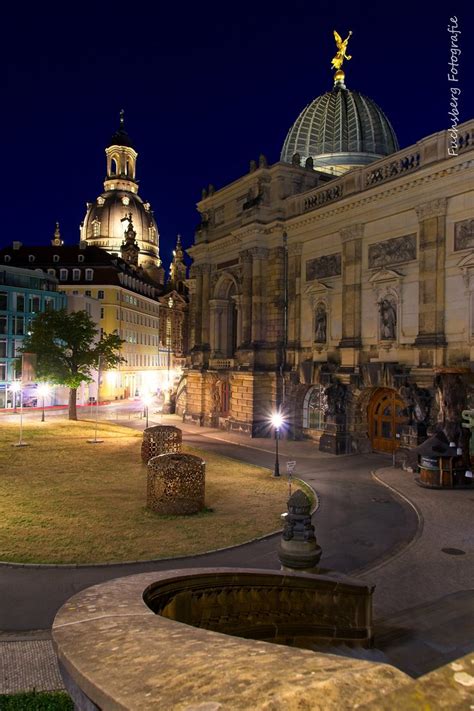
147,400
15,387
277,421
43,391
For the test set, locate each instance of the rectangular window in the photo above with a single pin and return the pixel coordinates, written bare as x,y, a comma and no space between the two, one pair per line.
63,274
3,371
48,304
34,304
89,274
101,332
3,349
19,326
100,294
88,292
3,300
76,274
101,312
20,302
52,272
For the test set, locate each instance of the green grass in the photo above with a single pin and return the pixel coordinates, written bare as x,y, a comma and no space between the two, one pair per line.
65,501
36,701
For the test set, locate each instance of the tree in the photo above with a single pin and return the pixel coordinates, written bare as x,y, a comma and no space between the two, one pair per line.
67,350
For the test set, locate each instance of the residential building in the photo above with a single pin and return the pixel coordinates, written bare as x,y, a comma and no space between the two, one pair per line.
23,295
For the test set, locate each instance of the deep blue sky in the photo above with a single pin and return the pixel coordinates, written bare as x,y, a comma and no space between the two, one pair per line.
205,86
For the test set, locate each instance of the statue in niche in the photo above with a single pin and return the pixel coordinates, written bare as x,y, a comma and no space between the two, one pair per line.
336,396
320,331
388,320
418,403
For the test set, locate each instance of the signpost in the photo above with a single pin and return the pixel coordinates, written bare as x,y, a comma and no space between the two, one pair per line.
290,468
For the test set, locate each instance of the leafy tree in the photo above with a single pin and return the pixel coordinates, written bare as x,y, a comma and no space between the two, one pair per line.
67,350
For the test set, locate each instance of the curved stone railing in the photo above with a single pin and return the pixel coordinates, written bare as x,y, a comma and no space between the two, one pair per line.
116,653
292,610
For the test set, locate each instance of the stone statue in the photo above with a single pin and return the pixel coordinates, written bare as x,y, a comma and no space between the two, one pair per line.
336,395
252,166
452,399
309,163
418,402
320,335
262,161
341,55
388,320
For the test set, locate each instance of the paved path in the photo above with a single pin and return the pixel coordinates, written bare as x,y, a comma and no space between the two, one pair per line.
361,525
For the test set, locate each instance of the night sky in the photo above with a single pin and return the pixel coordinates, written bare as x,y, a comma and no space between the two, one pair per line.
205,86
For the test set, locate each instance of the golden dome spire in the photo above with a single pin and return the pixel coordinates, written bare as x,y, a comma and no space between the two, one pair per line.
339,57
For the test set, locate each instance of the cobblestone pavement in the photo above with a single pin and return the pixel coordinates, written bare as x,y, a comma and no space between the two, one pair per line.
27,662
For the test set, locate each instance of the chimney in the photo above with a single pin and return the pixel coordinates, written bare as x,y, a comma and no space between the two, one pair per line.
17,245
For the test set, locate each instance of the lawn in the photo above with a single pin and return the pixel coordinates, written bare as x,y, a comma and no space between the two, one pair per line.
65,501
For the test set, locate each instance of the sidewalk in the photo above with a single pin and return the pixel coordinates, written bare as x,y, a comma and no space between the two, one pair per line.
421,590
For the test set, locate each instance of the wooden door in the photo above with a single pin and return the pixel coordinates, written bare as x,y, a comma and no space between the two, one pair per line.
386,418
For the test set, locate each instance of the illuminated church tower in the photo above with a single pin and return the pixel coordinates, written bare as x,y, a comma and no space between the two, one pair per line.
108,218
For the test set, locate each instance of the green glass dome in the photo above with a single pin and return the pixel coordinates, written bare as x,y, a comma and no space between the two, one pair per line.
340,130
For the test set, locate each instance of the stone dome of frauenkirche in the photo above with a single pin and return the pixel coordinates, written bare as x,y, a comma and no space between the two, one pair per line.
341,129
109,216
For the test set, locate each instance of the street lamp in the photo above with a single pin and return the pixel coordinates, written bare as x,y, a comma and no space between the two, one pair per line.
43,391
277,421
147,400
15,387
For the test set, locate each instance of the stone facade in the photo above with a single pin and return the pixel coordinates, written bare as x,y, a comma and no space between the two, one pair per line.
364,285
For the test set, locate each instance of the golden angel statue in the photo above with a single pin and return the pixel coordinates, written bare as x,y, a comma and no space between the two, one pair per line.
341,50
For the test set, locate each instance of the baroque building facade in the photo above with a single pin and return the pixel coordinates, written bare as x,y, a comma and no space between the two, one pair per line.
336,285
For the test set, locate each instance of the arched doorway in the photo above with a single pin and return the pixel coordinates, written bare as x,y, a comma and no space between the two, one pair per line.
386,416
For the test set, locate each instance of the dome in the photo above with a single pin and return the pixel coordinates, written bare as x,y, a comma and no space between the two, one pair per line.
108,218
121,138
340,130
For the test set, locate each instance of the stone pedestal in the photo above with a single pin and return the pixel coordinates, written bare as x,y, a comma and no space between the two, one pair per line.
336,439
298,549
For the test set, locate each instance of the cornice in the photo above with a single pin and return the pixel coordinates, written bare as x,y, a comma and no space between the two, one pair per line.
323,214
433,208
352,232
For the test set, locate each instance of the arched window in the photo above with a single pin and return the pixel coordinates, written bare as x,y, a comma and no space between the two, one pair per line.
113,166
314,408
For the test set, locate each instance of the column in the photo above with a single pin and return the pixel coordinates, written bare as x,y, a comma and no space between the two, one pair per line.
258,255
351,238
195,303
246,299
431,295
206,291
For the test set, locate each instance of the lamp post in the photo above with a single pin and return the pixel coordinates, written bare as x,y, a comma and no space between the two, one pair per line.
15,387
277,421
43,391
147,400
95,440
